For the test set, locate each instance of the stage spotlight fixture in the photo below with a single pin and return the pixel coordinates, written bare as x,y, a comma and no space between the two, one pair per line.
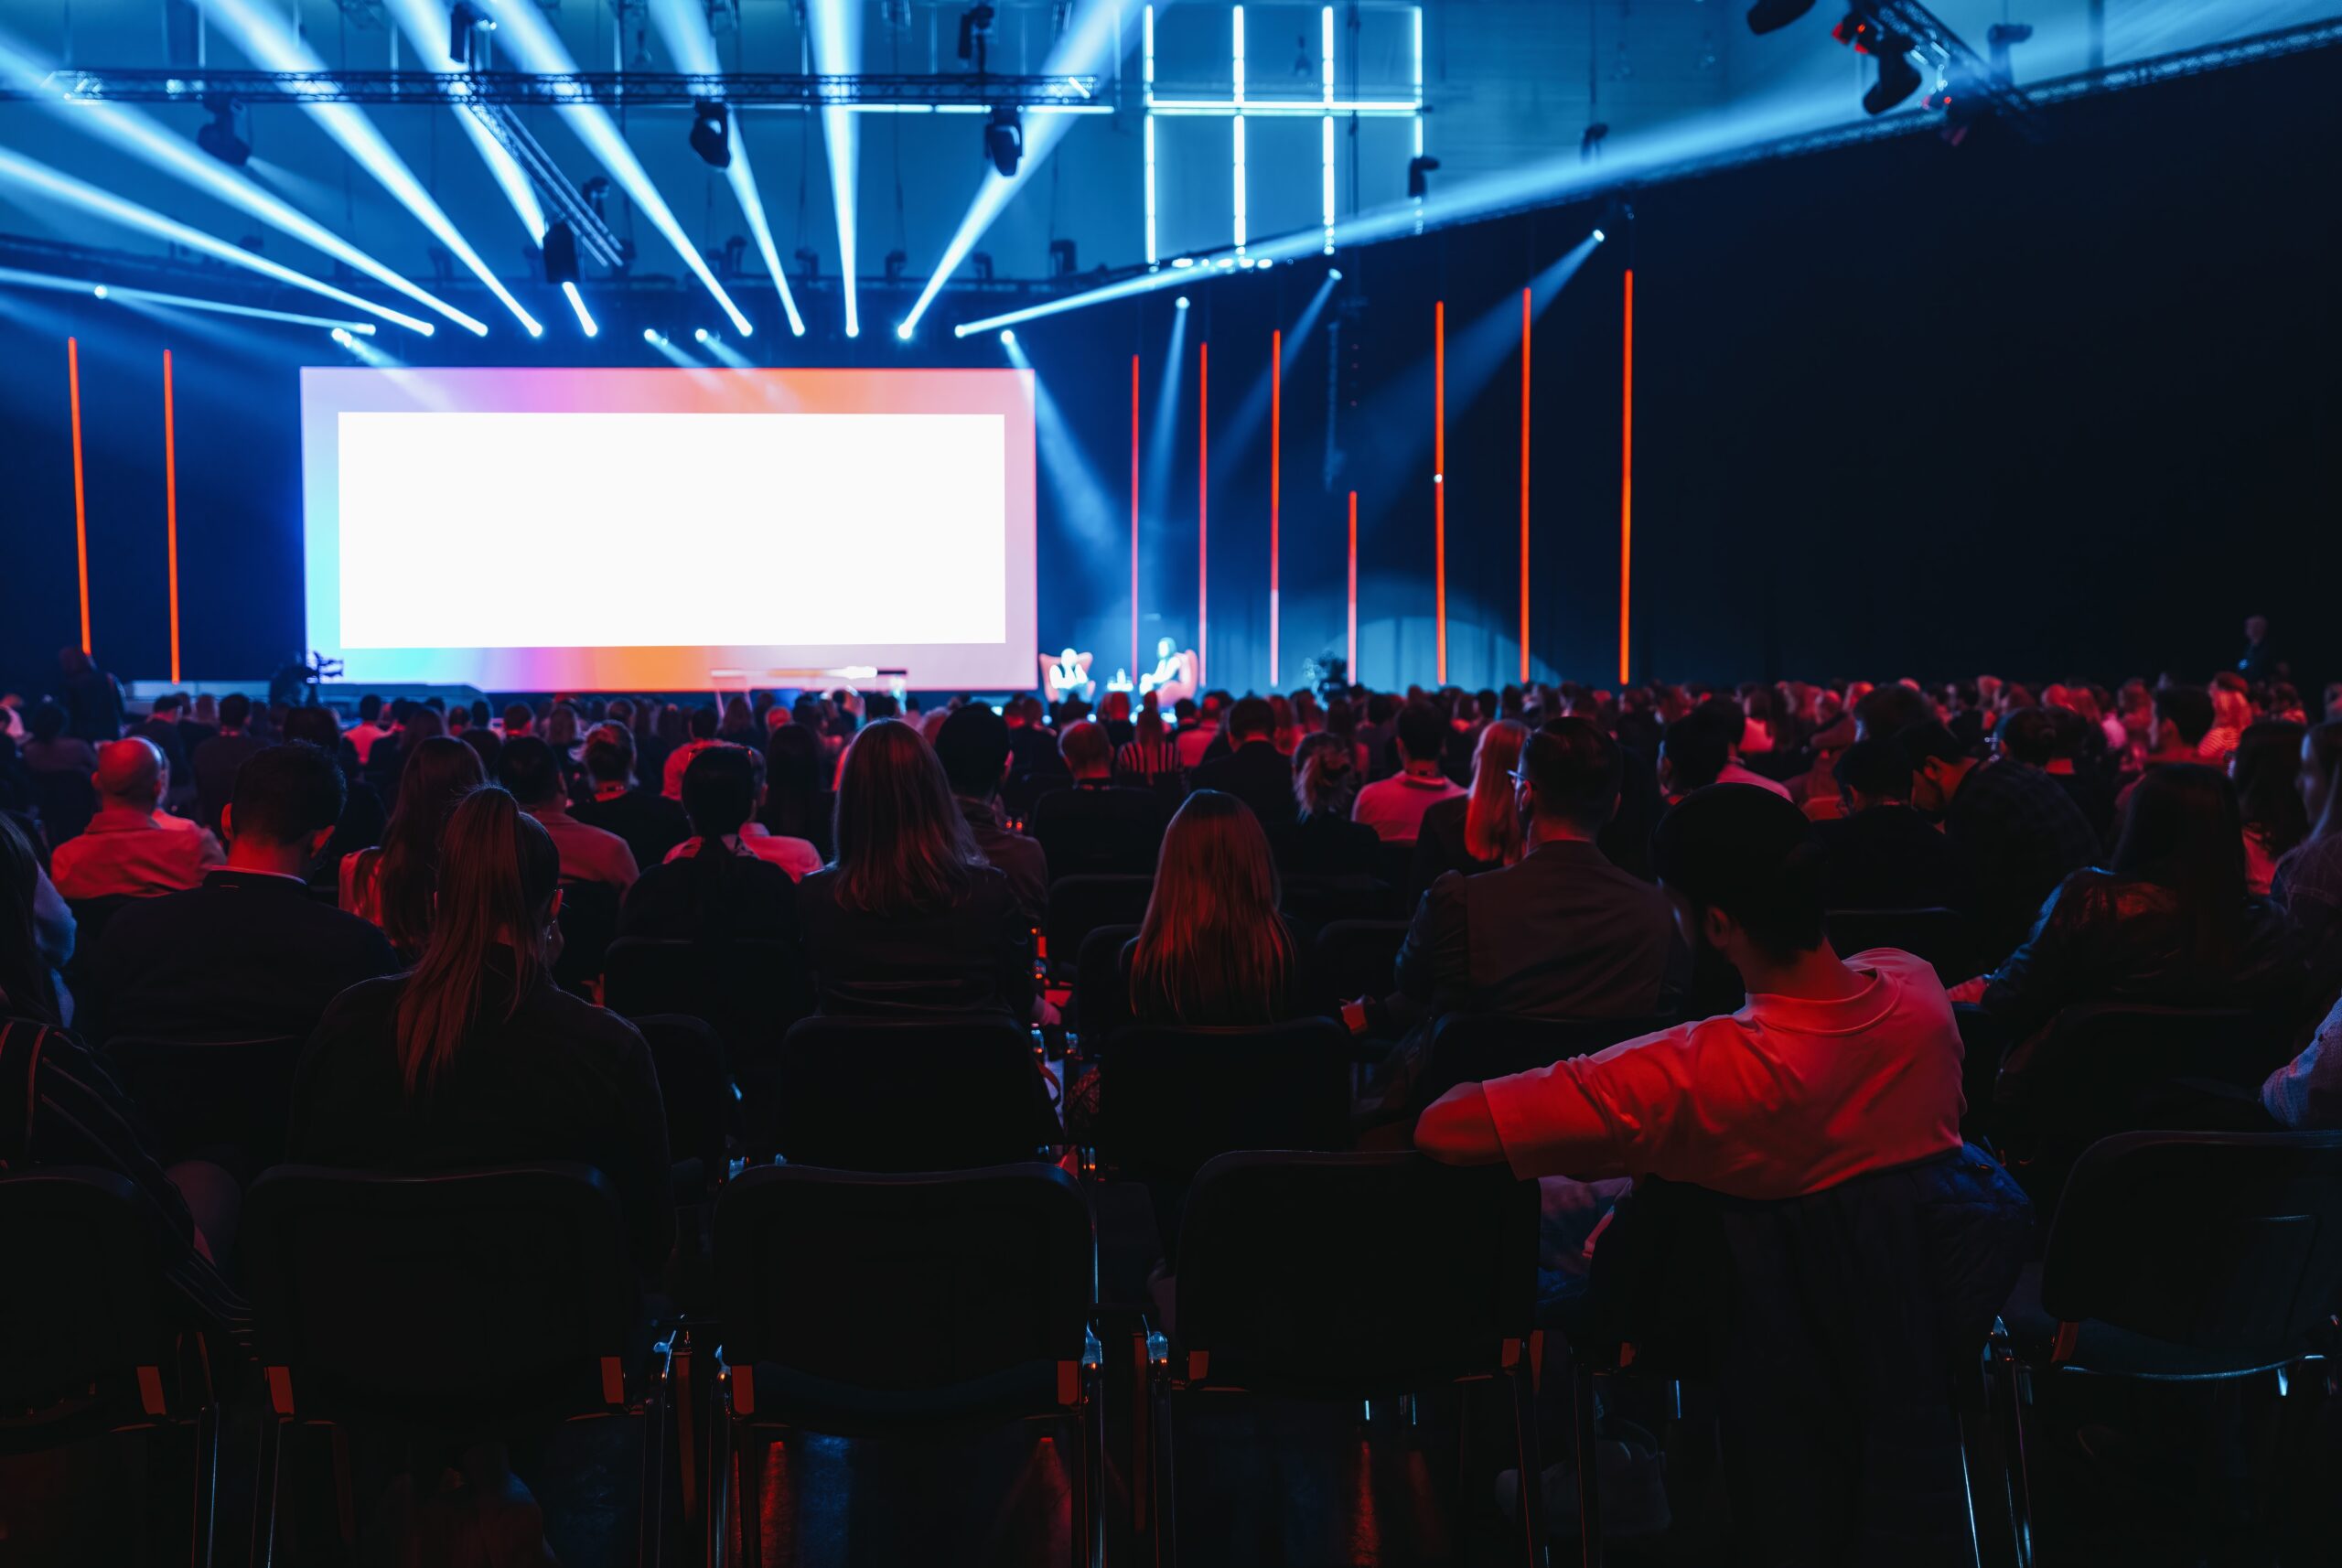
712,132
896,261
650,334
1004,140
975,32
1008,337
1062,261
699,334
100,292
1419,171
1589,144
1898,77
462,22
1771,16
561,254
1334,274
1599,236
1181,301
903,330
218,136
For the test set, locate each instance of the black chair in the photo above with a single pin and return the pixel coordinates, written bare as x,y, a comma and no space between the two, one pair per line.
467,1306
1101,998
87,1342
589,923
1938,936
1350,959
230,1101
1472,1048
1285,1288
1079,905
864,1306
910,1094
749,993
64,800
695,1089
2254,1292
90,917
1395,867
1313,903
1172,1097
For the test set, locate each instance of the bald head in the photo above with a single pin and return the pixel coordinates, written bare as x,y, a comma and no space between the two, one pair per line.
131,772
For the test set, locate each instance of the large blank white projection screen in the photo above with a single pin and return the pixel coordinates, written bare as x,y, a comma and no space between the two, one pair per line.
671,528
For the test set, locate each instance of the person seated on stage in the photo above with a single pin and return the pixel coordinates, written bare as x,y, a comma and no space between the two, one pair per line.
649,823
1068,675
132,846
1834,1068
1561,933
1395,807
217,759
531,769
1173,679
1881,854
248,954
1321,840
1253,770
974,746
910,917
395,883
1095,827
719,886
1480,830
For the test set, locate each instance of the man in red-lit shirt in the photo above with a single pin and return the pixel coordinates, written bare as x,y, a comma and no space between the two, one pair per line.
134,847
1835,1067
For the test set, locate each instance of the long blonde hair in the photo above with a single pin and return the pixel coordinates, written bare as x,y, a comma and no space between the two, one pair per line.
1492,823
1213,949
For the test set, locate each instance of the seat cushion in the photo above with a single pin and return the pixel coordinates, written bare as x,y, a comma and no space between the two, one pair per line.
2105,1350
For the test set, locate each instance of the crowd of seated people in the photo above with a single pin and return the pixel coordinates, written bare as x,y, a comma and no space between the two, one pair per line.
1556,853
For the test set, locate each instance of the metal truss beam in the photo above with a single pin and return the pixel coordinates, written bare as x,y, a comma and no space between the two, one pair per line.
610,89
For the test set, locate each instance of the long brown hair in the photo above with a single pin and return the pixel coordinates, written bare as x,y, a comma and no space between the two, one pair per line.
496,888
1492,820
1213,949
402,875
903,848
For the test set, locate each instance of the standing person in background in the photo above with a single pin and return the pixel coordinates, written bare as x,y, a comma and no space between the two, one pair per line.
93,702
2260,662
217,759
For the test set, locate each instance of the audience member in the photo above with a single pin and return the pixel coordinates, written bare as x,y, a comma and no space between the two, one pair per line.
1150,756
2014,834
1481,831
1322,840
794,856
395,884
973,746
2265,767
477,1057
363,817
2307,883
911,918
1881,854
1692,756
530,769
132,846
93,702
161,726
702,727
50,749
199,721
2305,1094
798,801
1213,949
217,759
248,954
1395,807
1731,721
369,727
1199,728
718,887
1095,827
649,823
1252,770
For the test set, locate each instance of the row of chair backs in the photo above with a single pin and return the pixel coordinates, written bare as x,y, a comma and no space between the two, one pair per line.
1939,936
1079,905
589,924
2218,1241
227,1100
1310,1272
2111,1067
473,1301
83,1305
895,1283
1170,1099
910,1094
748,992
1349,959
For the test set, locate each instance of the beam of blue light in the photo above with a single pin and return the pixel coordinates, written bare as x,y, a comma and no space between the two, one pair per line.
1160,459
1308,322
578,303
835,26
683,24
537,48
1232,443
674,355
426,27
271,45
1144,283
365,353
10,277
1087,47
729,355
1084,504
142,137
104,204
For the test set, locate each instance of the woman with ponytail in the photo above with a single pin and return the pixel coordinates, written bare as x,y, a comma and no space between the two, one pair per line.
477,1057
715,884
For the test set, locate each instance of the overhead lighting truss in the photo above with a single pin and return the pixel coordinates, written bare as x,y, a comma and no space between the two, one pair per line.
956,93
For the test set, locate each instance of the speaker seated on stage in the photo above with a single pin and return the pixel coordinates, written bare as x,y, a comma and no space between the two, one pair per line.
1174,675
1067,674
1094,827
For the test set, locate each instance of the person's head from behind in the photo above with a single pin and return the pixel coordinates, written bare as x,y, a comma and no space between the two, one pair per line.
1324,776
370,708
459,719
560,726
609,754
1492,817
519,719
315,726
1252,719
285,805
703,720
1872,773
235,712
2320,779
1213,947
1088,750
1693,752
27,990
720,788
738,719
2182,830
975,750
438,774
167,708
497,910
1728,717
1422,734
528,769
1744,872
132,774
903,846
2265,768
2183,718
46,720
2026,735
2256,630
1183,709
1939,764
1567,779
1884,712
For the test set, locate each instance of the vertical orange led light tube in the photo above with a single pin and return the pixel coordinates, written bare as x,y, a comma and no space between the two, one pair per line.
1627,490
1353,623
1524,486
1133,667
80,504
1276,445
171,508
1203,509
1439,482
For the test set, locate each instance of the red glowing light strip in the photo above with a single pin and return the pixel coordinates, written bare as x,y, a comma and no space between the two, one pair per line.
1277,442
80,506
1353,666
1203,509
1524,486
1133,668
171,508
1626,486
1439,481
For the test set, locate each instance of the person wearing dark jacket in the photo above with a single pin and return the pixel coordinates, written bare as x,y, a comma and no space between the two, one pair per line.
1095,827
2015,833
1254,770
974,747
1881,854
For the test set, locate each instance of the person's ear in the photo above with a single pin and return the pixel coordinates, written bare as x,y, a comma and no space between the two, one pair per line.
317,840
553,909
227,824
1718,927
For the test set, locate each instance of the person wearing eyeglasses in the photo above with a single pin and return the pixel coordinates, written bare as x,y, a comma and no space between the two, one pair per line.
1561,933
